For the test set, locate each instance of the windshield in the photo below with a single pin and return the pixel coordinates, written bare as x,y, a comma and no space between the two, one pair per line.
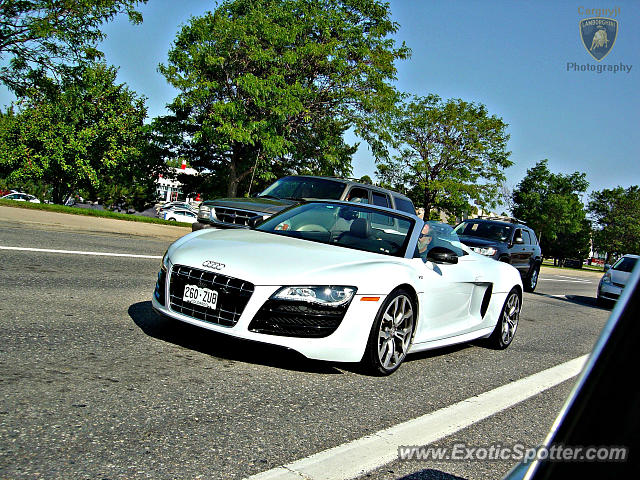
351,226
297,188
491,231
625,264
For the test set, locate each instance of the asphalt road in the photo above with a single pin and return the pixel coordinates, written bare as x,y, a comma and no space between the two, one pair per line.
95,385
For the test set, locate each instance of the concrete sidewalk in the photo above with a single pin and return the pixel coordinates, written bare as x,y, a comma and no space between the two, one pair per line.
82,223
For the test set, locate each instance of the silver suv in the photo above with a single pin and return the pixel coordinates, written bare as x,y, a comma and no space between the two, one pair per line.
288,191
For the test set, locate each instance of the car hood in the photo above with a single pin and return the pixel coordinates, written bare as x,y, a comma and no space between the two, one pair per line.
478,242
266,205
269,259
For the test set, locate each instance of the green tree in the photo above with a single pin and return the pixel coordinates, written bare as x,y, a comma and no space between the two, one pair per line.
449,153
550,204
615,212
83,133
268,86
569,245
38,37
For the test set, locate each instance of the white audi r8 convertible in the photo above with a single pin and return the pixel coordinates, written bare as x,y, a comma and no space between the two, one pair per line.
343,282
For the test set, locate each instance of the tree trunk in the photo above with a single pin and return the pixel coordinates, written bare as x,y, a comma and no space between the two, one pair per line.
427,203
232,186
234,177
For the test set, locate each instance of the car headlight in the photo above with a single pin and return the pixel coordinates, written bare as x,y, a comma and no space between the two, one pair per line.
333,296
166,263
205,212
606,278
488,251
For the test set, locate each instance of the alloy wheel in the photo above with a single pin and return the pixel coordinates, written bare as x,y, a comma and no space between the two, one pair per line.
510,316
396,329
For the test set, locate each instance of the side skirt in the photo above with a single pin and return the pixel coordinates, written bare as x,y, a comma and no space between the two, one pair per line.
445,342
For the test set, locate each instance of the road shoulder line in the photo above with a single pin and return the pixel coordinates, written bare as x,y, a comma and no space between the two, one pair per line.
79,252
365,454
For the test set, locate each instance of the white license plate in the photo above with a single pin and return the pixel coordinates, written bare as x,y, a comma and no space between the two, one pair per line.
200,296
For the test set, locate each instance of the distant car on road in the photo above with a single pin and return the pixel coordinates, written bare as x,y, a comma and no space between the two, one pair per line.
615,279
180,215
506,240
20,197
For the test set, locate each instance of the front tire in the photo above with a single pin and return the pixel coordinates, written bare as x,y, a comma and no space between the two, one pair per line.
531,282
507,324
391,334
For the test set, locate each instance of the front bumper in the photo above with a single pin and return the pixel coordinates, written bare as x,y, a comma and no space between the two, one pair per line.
609,291
199,226
346,344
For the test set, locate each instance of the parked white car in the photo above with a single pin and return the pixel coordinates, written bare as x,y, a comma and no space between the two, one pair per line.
342,282
180,215
21,197
160,210
615,279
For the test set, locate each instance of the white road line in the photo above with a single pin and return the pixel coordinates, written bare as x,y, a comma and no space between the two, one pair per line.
548,295
78,252
560,280
365,454
566,276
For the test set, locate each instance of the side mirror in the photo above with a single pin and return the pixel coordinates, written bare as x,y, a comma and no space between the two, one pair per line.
442,255
607,267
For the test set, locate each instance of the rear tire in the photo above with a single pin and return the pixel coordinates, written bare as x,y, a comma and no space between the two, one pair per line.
391,334
507,323
531,281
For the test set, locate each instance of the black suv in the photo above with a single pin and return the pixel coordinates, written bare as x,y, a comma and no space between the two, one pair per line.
288,191
506,240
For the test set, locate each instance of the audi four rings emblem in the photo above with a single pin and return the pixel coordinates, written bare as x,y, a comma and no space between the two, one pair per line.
213,265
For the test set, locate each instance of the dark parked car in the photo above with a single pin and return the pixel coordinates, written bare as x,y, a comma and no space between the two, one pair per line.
506,240
288,191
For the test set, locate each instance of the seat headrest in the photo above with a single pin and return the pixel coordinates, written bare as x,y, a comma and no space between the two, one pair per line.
360,228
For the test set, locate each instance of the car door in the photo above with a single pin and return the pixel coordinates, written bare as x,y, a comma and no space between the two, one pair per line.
518,251
528,249
451,292
451,298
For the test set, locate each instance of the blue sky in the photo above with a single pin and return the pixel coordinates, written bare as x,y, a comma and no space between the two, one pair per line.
511,56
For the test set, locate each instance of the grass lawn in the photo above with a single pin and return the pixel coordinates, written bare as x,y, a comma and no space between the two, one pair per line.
591,268
89,212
